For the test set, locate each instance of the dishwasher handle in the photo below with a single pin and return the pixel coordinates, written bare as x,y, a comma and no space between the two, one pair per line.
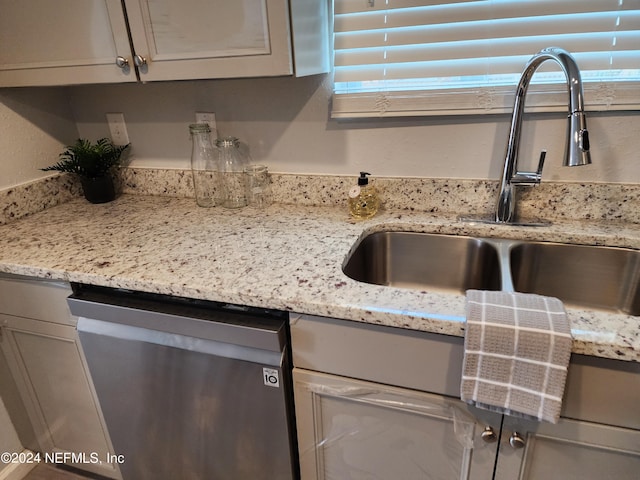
238,328
182,342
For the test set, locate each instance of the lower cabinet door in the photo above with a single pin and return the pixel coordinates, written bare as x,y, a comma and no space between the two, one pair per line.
48,367
568,450
351,429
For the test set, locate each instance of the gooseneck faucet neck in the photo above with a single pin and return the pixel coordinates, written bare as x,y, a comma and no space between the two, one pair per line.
577,144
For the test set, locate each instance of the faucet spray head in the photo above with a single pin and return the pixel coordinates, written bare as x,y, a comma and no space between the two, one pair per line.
577,151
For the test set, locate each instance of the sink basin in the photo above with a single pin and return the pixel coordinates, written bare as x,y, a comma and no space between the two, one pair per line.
425,261
581,276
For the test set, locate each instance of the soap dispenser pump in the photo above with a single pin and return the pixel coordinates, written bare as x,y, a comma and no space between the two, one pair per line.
364,200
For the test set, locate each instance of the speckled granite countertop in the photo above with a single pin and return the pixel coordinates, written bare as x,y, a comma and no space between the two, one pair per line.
284,257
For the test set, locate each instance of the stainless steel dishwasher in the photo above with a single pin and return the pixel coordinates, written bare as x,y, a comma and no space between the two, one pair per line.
190,389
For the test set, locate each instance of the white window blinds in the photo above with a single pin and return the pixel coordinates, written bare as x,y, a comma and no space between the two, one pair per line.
422,57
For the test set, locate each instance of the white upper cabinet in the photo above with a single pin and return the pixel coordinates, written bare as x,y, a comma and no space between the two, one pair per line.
63,42
87,41
183,39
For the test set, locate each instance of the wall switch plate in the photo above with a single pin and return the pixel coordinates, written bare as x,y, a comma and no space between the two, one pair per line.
210,119
118,128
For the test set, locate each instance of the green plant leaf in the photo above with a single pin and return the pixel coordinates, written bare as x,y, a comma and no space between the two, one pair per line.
89,160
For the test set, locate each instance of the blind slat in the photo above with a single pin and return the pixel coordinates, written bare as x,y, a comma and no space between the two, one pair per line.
471,12
575,43
358,6
342,7
473,67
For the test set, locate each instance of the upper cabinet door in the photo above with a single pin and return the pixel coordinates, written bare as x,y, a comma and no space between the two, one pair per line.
196,39
63,42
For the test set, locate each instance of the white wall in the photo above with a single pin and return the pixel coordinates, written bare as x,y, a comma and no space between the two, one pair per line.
286,123
35,124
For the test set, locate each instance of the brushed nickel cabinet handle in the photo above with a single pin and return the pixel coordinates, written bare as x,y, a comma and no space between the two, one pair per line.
139,60
122,62
516,440
488,435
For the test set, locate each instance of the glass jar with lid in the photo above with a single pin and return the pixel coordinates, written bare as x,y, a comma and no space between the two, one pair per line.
232,161
258,186
204,166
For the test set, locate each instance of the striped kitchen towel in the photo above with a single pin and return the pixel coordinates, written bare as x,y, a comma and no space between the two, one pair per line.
516,354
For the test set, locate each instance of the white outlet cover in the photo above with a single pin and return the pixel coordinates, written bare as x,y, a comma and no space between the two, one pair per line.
117,128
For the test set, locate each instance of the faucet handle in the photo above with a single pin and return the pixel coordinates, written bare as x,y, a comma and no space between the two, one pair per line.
543,154
530,178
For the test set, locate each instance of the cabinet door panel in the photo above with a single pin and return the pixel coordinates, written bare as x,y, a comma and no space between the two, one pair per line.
350,429
67,41
569,450
217,29
189,39
47,364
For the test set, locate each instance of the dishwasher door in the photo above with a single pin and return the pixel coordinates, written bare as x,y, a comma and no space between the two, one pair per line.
190,391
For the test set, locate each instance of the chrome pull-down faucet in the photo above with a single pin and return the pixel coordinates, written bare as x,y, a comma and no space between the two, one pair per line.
577,145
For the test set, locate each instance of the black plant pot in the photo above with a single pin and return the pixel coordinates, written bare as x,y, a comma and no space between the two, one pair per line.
98,190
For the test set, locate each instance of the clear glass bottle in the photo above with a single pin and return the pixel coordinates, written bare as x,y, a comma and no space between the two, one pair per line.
204,165
232,161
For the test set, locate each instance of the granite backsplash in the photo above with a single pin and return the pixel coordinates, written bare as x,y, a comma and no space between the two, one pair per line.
550,200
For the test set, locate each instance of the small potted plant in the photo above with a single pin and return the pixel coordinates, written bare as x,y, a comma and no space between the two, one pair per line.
93,163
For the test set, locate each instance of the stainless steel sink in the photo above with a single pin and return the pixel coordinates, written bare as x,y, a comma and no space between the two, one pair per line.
583,276
425,261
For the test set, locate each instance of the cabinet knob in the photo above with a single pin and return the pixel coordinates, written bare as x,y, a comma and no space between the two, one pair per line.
139,60
122,62
516,440
488,435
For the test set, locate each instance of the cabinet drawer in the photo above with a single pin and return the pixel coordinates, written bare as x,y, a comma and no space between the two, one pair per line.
423,361
603,391
35,298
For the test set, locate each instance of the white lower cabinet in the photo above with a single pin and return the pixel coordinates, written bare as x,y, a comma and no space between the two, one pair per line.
350,429
571,449
363,412
48,368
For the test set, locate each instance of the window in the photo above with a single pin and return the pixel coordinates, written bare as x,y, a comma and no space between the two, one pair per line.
425,57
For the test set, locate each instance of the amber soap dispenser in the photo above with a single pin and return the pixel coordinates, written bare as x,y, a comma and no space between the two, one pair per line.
364,200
